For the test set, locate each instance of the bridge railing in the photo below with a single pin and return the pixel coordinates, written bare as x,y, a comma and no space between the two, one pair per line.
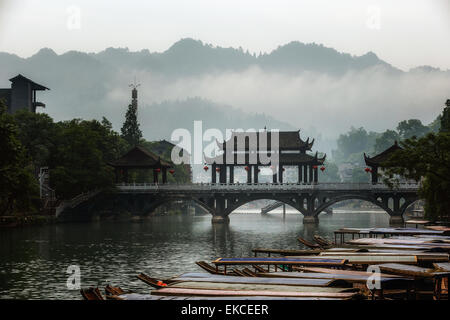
261,186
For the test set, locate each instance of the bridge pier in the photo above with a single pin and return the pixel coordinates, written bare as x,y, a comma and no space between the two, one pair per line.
220,219
310,220
396,221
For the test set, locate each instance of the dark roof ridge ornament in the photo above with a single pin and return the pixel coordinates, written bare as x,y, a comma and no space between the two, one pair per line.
134,85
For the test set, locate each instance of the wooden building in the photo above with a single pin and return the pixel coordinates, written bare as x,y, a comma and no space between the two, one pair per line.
22,94
247,148
140,158
375,162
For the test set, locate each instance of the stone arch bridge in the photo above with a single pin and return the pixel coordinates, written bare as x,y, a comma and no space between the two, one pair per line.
310,199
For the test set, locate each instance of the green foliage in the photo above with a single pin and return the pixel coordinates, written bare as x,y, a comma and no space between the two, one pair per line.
355,142
36,132
77,152
79,161
18,188
130,129
445,118
385,140
330,174
352,145
425,159
412,128
435,126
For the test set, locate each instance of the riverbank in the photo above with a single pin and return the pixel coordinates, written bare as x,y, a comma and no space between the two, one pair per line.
25,220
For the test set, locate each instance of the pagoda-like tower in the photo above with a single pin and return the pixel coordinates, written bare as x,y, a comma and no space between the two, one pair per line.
134,94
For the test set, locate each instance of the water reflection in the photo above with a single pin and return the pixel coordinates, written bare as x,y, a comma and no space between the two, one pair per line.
34,260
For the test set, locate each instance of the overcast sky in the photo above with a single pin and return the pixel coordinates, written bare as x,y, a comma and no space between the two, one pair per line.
405,33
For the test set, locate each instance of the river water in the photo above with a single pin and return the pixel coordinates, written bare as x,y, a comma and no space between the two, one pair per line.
34,260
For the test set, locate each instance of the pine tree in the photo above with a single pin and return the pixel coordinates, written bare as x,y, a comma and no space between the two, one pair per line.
445,118
130,129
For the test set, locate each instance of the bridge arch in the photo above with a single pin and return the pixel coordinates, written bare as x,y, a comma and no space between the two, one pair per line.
333,200
154,204
407,203
243,201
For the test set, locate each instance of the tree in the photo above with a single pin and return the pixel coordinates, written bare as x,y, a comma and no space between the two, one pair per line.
426,159
18,187
385,140
79,161
330,174
445,118
435,126
36,133
410,128
130,129
353,144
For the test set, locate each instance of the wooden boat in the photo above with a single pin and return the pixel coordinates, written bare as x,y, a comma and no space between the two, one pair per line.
377,257
421,242
259,269
320,285
239,273
308,243
352,278
113,291
446,230
264,281
91,294
442,266
296,260
243,293
278,262
440,279
336,271
322,241
413,271
285,252
155,283
401,247
137,296
249,273
206,266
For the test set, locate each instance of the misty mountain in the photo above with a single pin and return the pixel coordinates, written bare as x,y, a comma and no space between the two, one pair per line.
200,109
307,86
190,57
